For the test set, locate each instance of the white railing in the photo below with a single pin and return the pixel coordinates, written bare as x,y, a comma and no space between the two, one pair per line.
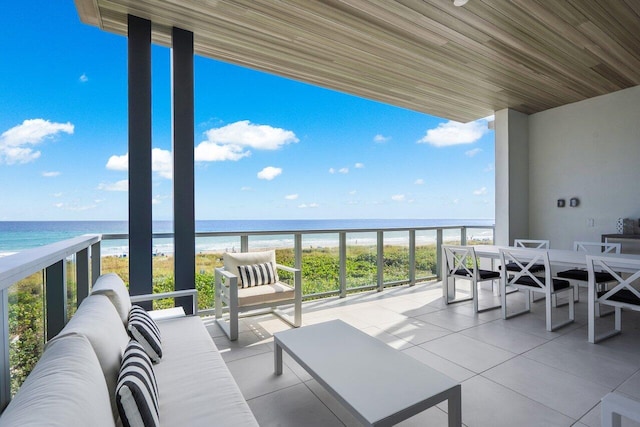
51,260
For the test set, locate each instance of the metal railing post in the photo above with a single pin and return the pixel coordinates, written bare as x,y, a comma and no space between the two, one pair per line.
5,366
244,243
342,248
380,260
412,257
56,298
463,235
96,262
297,251
82,274
439,253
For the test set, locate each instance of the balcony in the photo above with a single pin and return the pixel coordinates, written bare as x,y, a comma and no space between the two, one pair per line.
513,368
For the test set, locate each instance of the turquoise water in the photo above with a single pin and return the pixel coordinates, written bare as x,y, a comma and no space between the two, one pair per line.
19,235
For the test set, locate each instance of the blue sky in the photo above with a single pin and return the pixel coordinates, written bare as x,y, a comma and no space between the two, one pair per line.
266,147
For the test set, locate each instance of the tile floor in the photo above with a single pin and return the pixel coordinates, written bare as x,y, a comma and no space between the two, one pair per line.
513,372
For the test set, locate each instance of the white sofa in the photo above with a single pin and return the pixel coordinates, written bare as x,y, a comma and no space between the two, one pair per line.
74,381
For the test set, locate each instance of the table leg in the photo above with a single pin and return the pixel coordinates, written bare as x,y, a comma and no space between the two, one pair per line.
277,358
455,407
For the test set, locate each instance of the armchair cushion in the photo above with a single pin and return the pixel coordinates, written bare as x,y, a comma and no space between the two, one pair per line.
143,329
233,260
265,294
257,274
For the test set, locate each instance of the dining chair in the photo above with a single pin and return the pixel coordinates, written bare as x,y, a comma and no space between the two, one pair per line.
527,281
460,262
581,275
621,295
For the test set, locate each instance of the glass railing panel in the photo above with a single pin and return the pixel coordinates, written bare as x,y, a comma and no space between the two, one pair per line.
425,254
480,236
452,236
396,256
361,259
26,327
320,263
115,258
72,286
209,252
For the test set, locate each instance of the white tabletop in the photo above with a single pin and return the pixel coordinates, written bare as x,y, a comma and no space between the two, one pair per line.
376,380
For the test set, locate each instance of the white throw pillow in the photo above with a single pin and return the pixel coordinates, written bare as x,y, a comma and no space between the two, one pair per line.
137,390
143,329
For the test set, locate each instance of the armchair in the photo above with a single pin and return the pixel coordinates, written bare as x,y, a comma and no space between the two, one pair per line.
248,282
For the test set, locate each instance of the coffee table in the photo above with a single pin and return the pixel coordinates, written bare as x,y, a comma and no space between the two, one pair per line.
379,385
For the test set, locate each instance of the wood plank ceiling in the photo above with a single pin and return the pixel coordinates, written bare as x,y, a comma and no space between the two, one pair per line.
460,63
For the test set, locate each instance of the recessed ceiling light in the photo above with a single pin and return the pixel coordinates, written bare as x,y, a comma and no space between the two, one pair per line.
459,2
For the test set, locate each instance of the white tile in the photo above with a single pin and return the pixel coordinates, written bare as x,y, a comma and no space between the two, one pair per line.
248,344
583,362
485,403
436,362
449,320
294,406
255,375
566,393
499,335
387,338
414,331
467,352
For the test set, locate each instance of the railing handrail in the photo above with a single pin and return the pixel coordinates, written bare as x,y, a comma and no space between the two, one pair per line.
124,236
18,266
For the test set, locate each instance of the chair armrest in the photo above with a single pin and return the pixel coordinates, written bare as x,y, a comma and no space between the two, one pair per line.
231,285
227,274
193,293
287,268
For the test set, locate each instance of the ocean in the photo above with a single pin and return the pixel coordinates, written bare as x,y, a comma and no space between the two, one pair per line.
16,236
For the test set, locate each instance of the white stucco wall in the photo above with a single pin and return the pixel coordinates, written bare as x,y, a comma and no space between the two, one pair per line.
590,150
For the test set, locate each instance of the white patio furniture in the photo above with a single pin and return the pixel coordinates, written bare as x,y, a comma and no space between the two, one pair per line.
621,295
614,406
378,384
460,262
248,282
580,275
529,282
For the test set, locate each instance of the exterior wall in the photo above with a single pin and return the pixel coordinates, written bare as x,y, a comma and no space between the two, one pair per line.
589,150
512,176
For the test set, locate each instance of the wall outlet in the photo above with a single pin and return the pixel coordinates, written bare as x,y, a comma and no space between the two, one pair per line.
591,222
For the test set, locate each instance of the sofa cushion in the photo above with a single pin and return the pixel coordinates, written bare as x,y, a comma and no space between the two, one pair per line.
112,286
233,260
195,386
257,274
66,388
144,330
137,390
98,320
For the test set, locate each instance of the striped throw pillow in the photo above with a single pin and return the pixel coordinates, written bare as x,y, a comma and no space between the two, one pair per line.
143,329
137,390
257,274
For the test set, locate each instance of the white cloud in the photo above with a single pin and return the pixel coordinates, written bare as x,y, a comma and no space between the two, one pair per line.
473,152
380,139
419,181
83,78
344,170
161,162
455,133
269,173
122,185
332,170
246,189
489,168
50,174
480,191
310,205
74,207
57,194
352,192
16,143
359,165
291,196
398,197
232,142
